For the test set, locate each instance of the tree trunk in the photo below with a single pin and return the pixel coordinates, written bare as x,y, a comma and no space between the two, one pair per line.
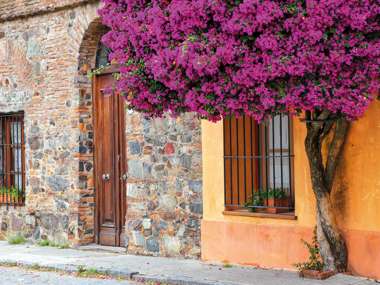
332,245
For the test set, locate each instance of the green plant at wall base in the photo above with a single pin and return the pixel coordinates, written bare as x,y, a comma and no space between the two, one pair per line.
45,242
84,272
315,261
16,239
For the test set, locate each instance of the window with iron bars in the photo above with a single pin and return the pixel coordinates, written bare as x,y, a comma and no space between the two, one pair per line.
258,164
12,159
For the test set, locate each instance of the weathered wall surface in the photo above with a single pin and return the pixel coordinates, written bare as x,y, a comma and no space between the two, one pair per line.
44,59
11,9
277,243
164,192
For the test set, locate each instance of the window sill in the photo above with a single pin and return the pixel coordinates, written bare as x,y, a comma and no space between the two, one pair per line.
246,213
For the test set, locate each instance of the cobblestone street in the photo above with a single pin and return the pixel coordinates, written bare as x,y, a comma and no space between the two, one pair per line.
18,276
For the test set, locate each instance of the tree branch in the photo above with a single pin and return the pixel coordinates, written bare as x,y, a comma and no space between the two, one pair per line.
335,150
326,129
324,115
314,153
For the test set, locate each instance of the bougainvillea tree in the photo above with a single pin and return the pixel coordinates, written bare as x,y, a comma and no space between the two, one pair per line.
318,58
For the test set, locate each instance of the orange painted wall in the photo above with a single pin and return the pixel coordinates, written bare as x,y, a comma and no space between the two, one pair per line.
276,243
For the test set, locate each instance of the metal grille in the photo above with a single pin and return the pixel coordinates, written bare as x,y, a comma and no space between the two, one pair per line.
258,163
12,159
102,56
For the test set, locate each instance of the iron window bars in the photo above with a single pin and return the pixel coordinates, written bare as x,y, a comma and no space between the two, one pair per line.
12,159
258,164
102,56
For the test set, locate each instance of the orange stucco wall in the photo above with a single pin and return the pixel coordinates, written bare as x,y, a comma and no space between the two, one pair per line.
276,243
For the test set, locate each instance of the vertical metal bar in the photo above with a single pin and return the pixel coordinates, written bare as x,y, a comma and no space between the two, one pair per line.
252,158
274,157
259,156
273,151
224,161
231,164
2,159
266,146
2,154
7,159
12,160
3,125
282,175
18,161
237,159
245,161
22,159
290,161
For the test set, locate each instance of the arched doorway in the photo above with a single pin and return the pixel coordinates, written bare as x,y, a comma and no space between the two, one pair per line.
101,214
109,155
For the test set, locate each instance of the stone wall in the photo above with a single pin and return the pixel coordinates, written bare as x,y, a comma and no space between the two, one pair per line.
38,68
164,192
46,49
14,9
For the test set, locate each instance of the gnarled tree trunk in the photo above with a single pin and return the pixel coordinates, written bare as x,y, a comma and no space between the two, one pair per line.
319,126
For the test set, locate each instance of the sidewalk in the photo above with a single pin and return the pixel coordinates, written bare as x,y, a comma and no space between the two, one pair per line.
165,270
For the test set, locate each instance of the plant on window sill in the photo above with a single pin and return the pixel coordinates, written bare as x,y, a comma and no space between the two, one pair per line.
273,201
10,195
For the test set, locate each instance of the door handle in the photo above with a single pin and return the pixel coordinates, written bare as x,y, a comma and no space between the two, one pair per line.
106,177
124,177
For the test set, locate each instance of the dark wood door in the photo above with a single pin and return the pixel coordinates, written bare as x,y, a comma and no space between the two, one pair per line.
110,162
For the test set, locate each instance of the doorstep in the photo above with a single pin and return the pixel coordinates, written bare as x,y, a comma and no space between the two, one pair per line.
102,248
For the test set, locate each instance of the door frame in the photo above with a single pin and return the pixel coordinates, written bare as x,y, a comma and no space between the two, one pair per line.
121,141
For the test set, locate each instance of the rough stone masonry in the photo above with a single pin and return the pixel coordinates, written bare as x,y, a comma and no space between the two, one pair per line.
46,49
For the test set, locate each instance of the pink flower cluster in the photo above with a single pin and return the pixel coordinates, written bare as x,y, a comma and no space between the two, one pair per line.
255,57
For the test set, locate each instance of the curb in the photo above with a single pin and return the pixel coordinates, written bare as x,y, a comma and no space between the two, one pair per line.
66,268
176,281
131,276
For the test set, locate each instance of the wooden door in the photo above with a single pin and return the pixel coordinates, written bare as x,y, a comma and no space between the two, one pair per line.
110,162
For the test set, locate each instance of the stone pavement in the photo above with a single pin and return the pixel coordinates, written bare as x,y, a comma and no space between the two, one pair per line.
166,270
16,276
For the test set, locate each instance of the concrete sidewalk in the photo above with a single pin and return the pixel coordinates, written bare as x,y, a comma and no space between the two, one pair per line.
165,270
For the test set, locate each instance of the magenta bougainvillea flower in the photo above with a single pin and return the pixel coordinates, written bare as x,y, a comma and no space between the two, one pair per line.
257,57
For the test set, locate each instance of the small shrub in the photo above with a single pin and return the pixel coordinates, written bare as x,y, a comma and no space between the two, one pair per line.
16,239
315,261
46,242
90,272
63,246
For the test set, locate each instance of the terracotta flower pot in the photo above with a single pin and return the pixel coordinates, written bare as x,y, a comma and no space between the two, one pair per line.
315,274
272,203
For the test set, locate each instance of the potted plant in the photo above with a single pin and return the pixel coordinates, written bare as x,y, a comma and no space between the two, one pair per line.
314,267
275,198
268,201
255,201
10,195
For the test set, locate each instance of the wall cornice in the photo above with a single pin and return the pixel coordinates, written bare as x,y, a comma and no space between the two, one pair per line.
16,10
